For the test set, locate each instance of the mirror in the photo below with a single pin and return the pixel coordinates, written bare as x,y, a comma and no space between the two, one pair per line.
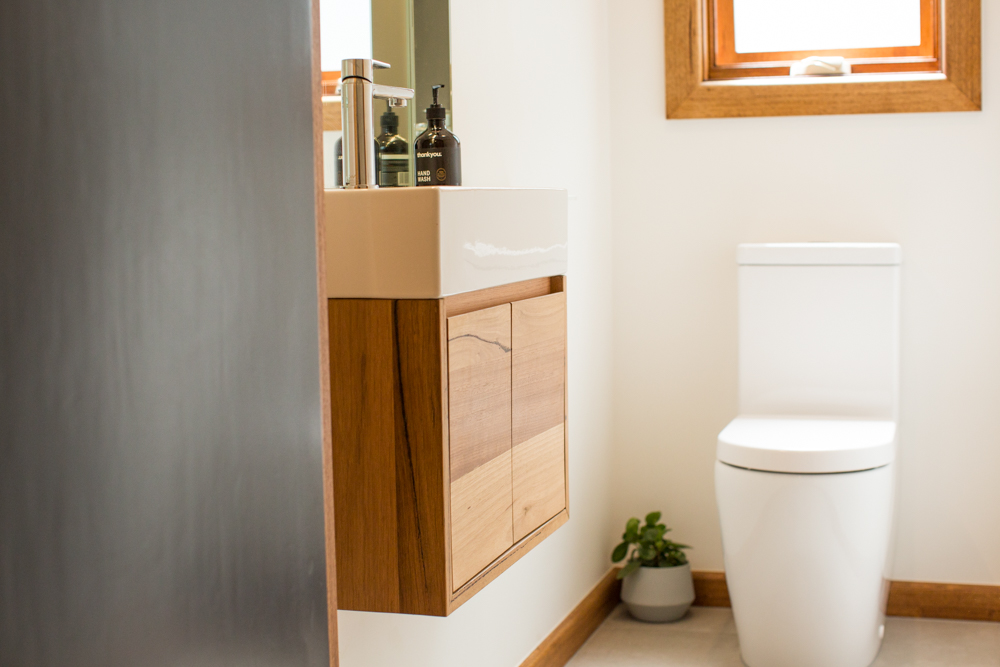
410,35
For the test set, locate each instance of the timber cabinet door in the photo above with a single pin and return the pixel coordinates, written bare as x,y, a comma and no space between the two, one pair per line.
479,408
538,391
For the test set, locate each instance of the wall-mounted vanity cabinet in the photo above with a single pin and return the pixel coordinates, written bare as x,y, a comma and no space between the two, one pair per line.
449,409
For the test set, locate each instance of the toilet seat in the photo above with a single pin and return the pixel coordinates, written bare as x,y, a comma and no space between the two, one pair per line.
807,445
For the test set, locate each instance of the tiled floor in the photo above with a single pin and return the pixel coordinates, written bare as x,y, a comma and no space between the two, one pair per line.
707,638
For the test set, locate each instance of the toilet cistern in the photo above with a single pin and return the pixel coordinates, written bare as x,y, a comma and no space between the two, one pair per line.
358,91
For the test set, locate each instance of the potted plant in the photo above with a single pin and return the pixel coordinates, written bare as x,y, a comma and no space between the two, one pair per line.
657,584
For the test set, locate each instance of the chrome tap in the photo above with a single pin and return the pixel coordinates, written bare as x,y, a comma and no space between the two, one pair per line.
357,92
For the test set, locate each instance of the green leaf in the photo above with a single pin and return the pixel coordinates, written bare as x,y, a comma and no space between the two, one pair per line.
631,531
652,549
629,568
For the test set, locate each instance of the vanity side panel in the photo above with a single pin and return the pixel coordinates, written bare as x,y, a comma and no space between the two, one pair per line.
420,447
390,491
362,402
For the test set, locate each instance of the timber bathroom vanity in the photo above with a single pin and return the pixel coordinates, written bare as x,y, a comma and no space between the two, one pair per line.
447,319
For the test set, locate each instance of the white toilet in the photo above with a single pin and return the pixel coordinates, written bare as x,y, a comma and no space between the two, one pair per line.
804,477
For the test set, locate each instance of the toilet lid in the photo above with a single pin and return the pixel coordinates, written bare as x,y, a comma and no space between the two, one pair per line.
806,445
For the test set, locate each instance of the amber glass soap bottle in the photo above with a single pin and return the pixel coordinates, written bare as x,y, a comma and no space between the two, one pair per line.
438,151
393,153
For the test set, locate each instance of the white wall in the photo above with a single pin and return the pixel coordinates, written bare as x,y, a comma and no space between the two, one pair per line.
531,110
345,28
686,192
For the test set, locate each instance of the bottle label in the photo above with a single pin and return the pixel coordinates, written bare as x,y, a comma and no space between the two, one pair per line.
394,170
438,167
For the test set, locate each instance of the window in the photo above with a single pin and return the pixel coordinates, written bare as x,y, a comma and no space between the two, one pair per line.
732,57
764,37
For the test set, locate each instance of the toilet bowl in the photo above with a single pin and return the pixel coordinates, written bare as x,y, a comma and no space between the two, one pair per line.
805,475
806,511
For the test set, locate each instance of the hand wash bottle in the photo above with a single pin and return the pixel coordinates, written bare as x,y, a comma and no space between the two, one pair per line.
393,153
439,153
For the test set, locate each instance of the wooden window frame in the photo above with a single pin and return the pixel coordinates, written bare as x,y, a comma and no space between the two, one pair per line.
954,85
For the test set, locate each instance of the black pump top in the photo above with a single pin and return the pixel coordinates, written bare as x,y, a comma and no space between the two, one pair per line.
389,120
435,111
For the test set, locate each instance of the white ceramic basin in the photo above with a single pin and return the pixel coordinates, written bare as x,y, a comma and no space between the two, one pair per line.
430,242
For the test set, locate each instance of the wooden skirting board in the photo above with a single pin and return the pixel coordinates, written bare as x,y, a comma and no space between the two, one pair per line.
569,636
710,589
960,602
963,602
906,598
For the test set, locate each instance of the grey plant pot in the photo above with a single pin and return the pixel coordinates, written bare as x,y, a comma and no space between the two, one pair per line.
659,594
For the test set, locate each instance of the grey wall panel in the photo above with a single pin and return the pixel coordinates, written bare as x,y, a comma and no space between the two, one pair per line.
160,436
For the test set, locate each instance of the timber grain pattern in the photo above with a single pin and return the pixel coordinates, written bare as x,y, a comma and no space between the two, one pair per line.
392,466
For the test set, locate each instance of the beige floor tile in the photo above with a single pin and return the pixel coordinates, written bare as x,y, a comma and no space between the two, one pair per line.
706,637
922,642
